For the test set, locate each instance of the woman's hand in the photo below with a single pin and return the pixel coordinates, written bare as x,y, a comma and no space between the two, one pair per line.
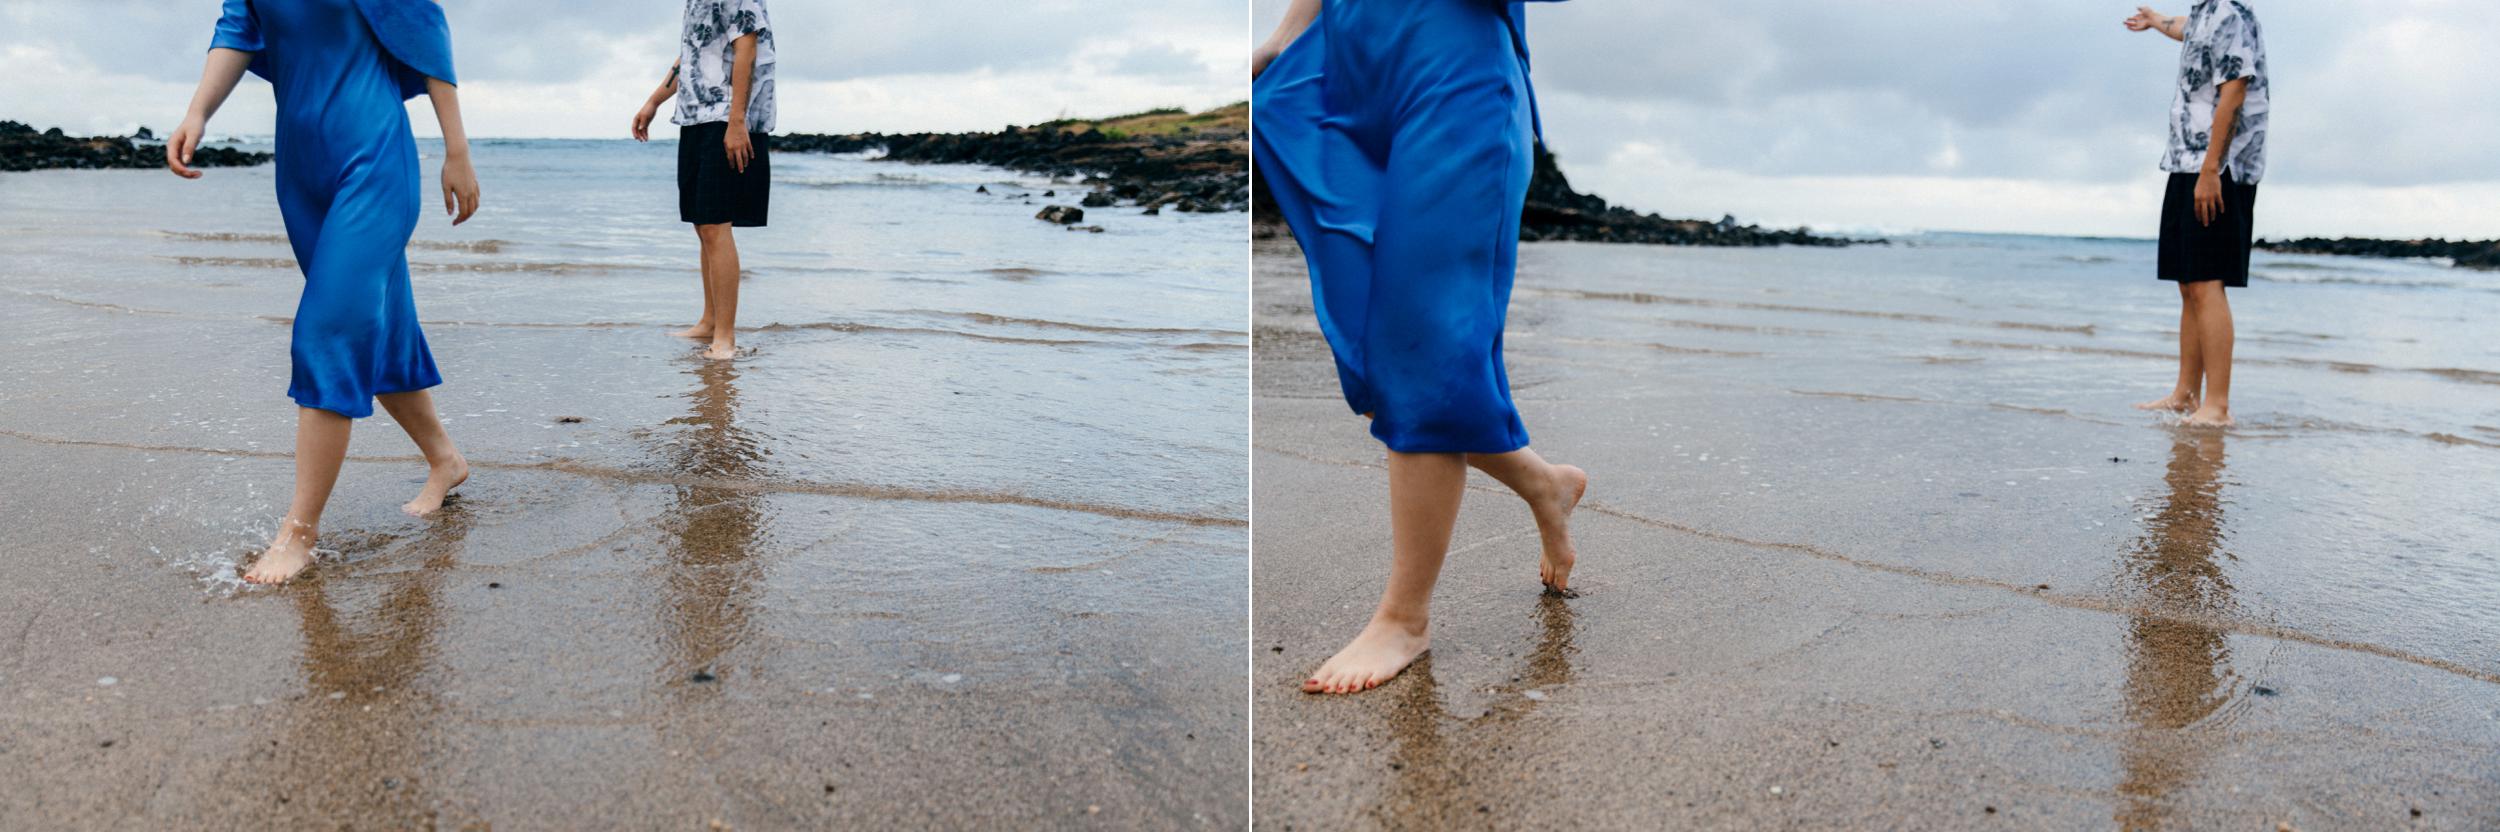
2208,197
178,147
642,122
741,151
459,188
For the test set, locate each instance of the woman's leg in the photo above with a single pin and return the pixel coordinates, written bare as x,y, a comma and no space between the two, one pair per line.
2182,396
720,288
1424,493
1552,491
320,447
2216,339
446,469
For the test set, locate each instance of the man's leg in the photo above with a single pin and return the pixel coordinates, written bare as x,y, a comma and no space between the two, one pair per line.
702,329
2182,398
720,288
2216,338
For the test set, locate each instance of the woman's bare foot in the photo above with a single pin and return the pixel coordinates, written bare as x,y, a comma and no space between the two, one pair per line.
701,331
1373,657
2176,402
721,350
1553,526
439,482
286,557
2209,416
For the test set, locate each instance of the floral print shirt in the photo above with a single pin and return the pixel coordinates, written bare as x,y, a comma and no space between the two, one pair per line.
2223,44
706,61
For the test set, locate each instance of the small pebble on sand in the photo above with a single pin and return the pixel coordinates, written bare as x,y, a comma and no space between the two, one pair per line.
108,681
951,678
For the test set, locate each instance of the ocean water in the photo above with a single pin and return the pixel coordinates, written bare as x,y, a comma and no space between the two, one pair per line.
907,332
1957,407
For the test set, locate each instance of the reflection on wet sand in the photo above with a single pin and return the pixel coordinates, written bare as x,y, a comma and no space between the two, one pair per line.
2179,674
1433,780
712,532
371,666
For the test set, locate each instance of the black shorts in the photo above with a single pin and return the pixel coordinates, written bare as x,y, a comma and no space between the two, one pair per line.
708,191
2192,251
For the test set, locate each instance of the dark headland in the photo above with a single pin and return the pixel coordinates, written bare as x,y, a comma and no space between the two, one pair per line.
1167,158
2467,254
23,148
1556,212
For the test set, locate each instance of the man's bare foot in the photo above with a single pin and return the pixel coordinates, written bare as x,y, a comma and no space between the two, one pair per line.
2176,402
1553,526
1373,657
2209,416
439,482
701,331
286,557
721,350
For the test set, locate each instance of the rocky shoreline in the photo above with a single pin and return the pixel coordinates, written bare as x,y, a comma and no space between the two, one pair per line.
1156,160
2467,254
1556,212
22,148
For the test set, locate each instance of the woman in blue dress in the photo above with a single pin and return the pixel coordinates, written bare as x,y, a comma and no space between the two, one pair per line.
350,191
1398,137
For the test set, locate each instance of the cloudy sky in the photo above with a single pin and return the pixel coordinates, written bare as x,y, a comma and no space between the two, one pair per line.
2008,115
579,68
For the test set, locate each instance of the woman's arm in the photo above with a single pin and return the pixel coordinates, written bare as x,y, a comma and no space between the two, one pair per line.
741,77
1297,18
2209,180
651,106
2146,18
459,179
217,79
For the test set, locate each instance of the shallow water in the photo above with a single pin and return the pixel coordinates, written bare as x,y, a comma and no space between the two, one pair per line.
908,334
977,494
1958,406
1875,540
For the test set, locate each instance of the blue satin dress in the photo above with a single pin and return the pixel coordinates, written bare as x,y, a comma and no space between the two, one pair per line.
1398,137
348,182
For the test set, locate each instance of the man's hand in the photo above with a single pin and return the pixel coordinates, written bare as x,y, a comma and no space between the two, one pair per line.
178,147
2144,20
2208,197
642,122
459,188
741,151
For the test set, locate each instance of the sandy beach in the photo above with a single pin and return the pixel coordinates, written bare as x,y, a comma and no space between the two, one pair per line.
960,543
1875,542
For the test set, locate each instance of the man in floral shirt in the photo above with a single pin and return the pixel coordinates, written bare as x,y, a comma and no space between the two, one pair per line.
2217,152
723,83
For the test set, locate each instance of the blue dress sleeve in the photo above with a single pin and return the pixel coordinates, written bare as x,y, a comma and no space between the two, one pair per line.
239,29
416,35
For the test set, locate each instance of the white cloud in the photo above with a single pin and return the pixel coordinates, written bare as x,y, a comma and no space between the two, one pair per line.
2013,115
578,68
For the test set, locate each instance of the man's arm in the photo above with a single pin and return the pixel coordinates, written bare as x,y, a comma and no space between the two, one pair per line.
651,106
2209,180
741,78
2145,18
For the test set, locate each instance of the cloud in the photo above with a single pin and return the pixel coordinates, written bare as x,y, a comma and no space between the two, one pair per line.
580,67
2006,114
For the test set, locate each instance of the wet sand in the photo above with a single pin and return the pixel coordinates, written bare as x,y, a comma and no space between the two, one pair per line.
944,551
1844,575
